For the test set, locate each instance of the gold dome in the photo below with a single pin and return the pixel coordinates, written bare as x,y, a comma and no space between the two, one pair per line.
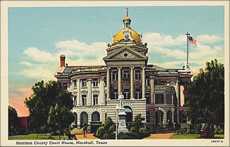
127,33
120,36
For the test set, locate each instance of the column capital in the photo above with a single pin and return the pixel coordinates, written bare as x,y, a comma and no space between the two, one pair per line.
119,67
132,67
101,77
143,66
89,79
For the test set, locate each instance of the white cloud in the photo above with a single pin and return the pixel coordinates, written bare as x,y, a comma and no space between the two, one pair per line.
157,39
38,55
198,55
208,39
39,72
81,50
41,64
26,63
178,54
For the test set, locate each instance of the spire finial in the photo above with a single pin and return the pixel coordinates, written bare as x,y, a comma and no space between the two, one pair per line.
126,19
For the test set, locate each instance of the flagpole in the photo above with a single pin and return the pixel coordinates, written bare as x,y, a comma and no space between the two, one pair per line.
187,34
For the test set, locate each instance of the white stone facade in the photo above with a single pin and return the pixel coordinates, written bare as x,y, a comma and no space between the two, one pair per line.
149,90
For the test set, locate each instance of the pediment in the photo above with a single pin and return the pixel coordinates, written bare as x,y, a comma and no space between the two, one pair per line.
125,54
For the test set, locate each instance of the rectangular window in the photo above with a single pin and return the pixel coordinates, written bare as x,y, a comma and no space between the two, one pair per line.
83,100
138,95
126,94
114,75
148,99
125,74
95,82
105,81
159,98
147,82
83,82
75,100
114,95
174,99
95,99
147,116
169,98
137,74
75,83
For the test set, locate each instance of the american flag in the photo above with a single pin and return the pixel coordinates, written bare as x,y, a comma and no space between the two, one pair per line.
192,41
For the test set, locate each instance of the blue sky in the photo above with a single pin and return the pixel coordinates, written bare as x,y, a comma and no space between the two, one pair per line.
38,35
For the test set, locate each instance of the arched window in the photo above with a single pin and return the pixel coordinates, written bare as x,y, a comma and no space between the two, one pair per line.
95,116
129,114
83,119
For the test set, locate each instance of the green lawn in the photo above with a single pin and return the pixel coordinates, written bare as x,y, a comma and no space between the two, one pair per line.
186,136
36,137
219,136
194,136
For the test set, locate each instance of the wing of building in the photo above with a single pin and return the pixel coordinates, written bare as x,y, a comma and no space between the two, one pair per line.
154,92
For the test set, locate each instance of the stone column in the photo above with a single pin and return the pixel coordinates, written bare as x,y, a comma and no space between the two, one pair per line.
172,116
131,82
102,91
152,93
164,119
143,82
165,101
79,102
172,99
178,102
89,94
108,83
119,81
78,120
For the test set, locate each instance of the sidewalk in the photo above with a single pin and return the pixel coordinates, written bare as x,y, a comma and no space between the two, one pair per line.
160,136
88,137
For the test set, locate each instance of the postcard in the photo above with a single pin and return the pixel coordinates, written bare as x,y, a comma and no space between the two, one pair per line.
107,73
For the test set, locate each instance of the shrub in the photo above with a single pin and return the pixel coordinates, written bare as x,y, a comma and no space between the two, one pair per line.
133,135
142,130
133,129
100,132
106,131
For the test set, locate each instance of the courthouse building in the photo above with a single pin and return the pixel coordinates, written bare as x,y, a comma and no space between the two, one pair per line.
155,92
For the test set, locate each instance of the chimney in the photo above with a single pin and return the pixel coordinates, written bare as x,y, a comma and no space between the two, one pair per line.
62,61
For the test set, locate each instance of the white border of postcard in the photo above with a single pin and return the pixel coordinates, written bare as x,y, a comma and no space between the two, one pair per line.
166,142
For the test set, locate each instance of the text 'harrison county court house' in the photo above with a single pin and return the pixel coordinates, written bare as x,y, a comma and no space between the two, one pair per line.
152,91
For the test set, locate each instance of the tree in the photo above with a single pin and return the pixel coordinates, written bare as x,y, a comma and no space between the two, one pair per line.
39,104
13,120
59,119
137,123
206,94
106,131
